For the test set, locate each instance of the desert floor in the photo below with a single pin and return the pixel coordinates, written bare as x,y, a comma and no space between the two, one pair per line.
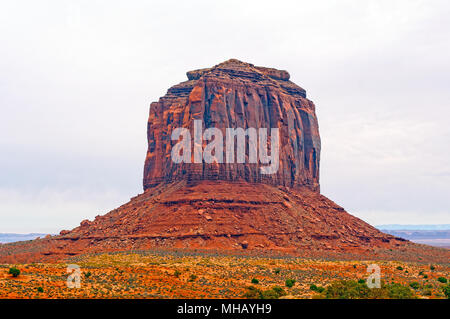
172,275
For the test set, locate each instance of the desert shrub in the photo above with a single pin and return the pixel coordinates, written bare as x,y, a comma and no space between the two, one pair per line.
14,272
88,274
446,290
269,294
346,289
316,288
255,281
442,279
252,293
420,273
280,291
350,289
425,276
399,268
361,281
177,273
192,277
432,267
290,282
273,293
277,271
397,291
40,289
427,292
414,285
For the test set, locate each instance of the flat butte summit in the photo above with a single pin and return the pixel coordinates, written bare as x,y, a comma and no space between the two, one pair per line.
230,207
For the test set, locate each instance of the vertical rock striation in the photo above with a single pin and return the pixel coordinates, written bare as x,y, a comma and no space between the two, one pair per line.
235,94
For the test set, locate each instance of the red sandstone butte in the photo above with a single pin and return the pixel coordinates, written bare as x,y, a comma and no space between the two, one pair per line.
235,94
230,207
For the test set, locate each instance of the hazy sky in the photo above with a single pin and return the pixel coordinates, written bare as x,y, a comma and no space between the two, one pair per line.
77,78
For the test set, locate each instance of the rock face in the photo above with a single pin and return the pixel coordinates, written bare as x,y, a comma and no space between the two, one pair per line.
230,207
235,94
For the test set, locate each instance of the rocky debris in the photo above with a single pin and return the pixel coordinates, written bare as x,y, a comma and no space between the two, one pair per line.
285,203
85,223
257,222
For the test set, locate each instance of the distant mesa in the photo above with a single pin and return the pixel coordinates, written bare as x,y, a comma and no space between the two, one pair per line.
11,237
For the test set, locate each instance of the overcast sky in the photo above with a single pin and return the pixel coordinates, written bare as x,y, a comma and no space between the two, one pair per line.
77,78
